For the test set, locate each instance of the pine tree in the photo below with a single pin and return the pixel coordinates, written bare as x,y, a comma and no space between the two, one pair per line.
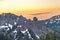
41,37
50,36
47,36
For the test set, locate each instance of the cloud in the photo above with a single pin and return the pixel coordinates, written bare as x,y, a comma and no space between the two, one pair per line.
41,13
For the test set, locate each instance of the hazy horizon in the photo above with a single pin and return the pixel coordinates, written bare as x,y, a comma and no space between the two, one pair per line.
42,9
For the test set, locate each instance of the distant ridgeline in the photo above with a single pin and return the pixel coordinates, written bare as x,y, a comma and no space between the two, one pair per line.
13,27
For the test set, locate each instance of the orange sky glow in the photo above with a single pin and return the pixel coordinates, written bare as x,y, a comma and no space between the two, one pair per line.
42,9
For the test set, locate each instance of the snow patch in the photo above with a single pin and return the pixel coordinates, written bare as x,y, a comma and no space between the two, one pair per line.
23,31
10,26
37,36
20,26
3,26
28,33
15,23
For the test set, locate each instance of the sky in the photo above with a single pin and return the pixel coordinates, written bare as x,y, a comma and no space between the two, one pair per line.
42,9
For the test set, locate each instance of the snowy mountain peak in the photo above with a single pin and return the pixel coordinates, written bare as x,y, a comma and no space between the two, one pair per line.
55,17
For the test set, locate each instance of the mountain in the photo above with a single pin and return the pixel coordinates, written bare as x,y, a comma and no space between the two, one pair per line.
54,24
7,18
16,34
20,28
7,22
55,19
